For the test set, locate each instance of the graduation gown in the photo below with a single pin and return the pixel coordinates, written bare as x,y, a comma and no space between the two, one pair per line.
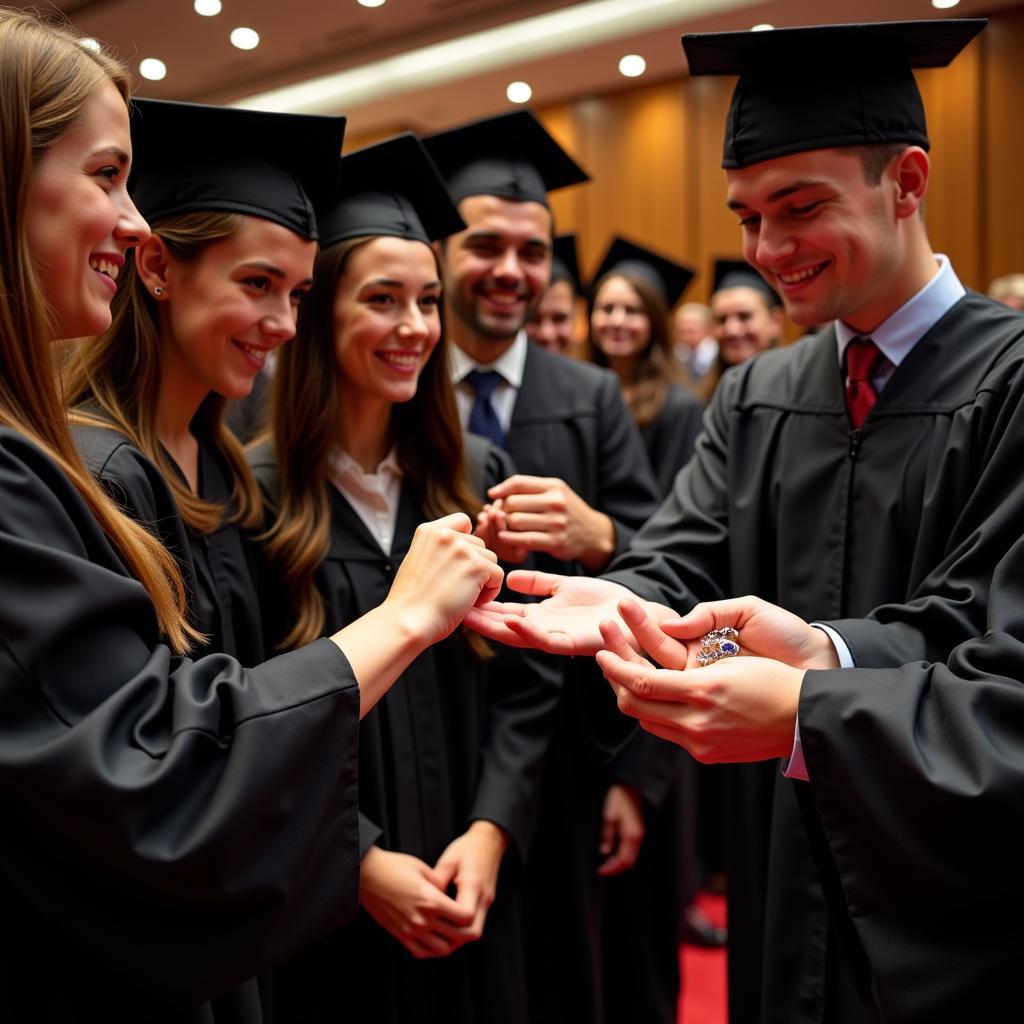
569,421
891,531
455,740
172,825
917,777
644,906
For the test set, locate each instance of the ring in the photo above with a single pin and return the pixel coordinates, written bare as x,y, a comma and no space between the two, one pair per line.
718,644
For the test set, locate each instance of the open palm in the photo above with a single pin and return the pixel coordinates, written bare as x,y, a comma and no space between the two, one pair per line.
567,621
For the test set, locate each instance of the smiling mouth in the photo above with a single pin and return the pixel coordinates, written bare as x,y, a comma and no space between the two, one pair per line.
105,267
252,351
399,360
799,276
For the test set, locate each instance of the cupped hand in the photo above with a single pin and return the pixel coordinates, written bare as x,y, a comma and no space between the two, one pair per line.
736,710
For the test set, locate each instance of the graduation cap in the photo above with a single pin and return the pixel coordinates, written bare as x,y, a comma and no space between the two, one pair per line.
827,85
189,157
740,274
670,278
511,156
391,188
565,264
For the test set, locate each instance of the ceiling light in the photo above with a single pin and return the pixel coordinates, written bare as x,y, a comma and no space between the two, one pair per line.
90,44
763,27
519,92
943,5
207,8
510,45
245,38
153,69
371,3
632,65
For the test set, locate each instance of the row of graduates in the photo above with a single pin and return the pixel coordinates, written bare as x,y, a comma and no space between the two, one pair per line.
246,788
183,823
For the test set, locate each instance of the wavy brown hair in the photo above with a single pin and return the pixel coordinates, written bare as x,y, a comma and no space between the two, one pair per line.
303,423
656,370
115,378
46,80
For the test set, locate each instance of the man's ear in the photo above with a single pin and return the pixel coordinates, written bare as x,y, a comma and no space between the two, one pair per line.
910,171
152,262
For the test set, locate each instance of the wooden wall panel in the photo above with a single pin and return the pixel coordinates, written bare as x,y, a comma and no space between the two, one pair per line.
1003,129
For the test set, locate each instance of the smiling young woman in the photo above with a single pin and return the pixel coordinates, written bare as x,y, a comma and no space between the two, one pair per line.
147,867
365,446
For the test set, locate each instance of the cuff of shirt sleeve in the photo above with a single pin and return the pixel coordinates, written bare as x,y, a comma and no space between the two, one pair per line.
794,766
843,652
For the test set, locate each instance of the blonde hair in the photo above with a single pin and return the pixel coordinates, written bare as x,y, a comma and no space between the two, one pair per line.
119,373
47,78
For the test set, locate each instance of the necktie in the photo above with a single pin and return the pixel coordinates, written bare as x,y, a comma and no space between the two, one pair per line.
862,358
483,420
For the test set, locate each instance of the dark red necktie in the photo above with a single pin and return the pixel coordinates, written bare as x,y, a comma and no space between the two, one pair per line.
862,357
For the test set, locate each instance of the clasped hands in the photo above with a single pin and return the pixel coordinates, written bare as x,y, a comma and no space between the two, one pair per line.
738,709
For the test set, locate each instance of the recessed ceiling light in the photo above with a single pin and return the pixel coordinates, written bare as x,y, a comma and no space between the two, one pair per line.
371,3
153,69
632,65
90,44
943,5
519,92
763,27
207,8
245,38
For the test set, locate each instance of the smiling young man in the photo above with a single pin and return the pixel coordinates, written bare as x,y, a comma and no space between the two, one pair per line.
867,476
583,489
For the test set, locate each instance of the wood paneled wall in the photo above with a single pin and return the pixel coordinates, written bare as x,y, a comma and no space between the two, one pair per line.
654,154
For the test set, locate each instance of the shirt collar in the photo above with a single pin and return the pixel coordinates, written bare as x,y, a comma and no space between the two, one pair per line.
896,336
511,364
341,465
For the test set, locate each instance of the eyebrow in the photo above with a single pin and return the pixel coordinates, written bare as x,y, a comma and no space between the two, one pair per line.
269,268
494,236
387,282
782,193
117,153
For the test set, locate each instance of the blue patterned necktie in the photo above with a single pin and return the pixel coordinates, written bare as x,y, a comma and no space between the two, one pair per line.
483,420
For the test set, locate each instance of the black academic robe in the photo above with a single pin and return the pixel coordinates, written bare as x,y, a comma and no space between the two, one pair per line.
891,530
644,906
569,421
917,777
454,741
221,569
172,825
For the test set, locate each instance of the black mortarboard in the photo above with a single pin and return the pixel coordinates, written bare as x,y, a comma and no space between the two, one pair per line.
391,188
188,157
511,156
826,85
669,277
740,274
565,264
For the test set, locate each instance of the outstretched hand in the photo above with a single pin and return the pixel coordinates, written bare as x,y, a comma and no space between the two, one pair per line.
566,622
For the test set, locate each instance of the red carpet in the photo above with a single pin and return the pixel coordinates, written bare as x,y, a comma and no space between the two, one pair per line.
703,998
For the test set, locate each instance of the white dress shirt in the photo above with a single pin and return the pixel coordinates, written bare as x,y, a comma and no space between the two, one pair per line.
374,496
510,365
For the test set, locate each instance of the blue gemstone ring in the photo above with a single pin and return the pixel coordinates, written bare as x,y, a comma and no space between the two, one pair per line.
718,644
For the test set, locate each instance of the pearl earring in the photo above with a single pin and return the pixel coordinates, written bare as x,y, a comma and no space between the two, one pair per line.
158,291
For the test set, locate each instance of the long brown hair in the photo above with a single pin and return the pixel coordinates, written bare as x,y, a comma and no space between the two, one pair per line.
118,372
655,371
303,420
46,80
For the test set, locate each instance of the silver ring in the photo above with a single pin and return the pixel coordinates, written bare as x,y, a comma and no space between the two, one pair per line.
718,644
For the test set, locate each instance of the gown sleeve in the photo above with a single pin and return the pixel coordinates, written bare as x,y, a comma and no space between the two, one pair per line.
188,821
917,776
